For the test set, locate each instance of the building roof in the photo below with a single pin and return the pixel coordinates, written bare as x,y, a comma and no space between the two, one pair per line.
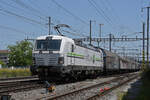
4,51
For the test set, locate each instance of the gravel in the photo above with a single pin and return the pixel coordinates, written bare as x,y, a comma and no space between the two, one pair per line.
123,89
38,93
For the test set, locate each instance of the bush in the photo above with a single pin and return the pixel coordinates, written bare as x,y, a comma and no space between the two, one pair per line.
2,63
7,72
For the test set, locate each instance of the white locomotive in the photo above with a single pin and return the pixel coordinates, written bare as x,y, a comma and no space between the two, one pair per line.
57,57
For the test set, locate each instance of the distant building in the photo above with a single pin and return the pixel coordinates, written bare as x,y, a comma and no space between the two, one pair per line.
4,56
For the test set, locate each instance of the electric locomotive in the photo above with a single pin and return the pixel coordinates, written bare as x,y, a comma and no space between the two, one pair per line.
59,57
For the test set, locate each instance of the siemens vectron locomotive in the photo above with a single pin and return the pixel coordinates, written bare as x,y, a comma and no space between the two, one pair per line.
58,57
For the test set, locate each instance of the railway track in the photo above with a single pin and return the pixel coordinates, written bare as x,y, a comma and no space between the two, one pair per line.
13,89
20,84
91,92
17,78
98,95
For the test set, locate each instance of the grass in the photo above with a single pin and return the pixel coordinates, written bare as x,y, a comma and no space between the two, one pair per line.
7,72
120,95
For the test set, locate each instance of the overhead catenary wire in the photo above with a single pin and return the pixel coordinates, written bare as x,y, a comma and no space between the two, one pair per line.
75,34
114,13
12,29
22,4
113,10
70,13
25,6
17,8
37,7
109,10
109,19
2,11
100,13
22,17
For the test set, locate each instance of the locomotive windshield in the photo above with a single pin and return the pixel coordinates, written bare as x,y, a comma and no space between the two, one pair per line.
48,45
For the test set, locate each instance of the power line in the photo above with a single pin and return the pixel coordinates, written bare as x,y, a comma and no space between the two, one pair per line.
12,29
37,6
10,5
22,17
75,34
100,13
22,4
96,4
109,4
110,10
135,33
70,13
67,11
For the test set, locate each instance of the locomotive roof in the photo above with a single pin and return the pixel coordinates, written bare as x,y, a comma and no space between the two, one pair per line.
55,37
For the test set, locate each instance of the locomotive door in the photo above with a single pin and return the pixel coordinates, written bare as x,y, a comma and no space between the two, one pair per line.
72,60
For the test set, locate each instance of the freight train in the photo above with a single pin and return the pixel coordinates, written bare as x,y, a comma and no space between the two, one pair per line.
59,57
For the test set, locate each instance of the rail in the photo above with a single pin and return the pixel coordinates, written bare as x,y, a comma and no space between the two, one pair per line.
98,95
77,91
17,78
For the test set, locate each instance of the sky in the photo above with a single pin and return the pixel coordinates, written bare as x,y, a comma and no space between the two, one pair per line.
20,19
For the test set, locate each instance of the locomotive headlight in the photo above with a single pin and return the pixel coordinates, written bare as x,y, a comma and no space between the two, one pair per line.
61,60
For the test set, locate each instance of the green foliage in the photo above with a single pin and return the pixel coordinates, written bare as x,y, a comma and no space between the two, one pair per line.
7,72
2,63
120,95
20,54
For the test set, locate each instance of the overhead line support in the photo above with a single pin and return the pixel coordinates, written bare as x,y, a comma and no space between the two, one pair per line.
143,46
90,32
110,42
148,36
49,25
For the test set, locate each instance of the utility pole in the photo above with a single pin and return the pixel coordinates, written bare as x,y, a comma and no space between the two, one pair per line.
49,25
109,42
100,30
148,36
90,32
143,46
123,49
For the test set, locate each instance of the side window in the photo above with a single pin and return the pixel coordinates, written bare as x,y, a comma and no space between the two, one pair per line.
72,48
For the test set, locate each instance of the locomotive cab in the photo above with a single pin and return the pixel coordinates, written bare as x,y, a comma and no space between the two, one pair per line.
47,51
48,54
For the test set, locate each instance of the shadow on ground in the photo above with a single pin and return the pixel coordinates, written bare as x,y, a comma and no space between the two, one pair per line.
133,90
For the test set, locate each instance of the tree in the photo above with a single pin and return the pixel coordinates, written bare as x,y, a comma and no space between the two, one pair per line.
20,54
2,63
